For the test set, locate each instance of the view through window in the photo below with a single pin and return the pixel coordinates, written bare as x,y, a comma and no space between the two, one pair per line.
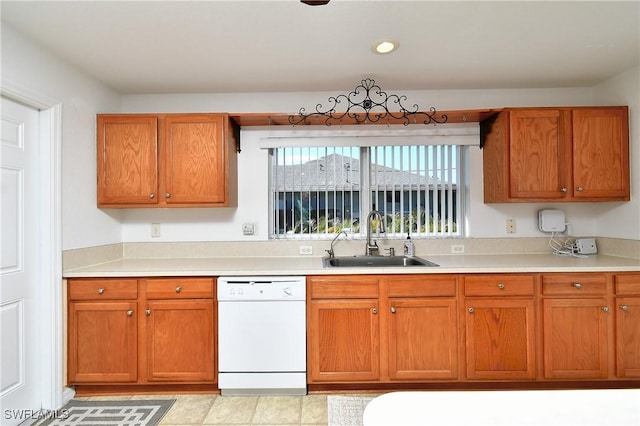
317,191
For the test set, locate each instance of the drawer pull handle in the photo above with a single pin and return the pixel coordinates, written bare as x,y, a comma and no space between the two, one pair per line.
624,307
374,310
470,309
152,195
578,286
129,313
167,194
580,189
501,286
563,189
393,310
100,290
605,309
148,312
178,289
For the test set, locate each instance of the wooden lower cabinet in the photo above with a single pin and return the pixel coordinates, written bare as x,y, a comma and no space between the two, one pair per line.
382,329
500,331
143,339
179,336
344,340
575,338
627,311
500,339
423,339
103,342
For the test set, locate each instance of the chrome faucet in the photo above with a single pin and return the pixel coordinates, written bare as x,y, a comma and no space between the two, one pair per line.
332,253
372,249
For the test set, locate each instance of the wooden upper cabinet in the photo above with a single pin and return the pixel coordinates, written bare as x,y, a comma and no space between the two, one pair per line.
127,160
601,153
557,154
170,160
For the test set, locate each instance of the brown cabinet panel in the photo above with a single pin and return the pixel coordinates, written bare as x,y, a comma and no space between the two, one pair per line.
601,153
179,341
421,286
195,153
103,289
576,338
628,337
628,284
102,339
127,159
179,288
498,285
574,284
343,287
423,339
500,338
343,340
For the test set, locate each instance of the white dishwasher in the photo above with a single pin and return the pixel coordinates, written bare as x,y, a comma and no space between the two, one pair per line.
262,335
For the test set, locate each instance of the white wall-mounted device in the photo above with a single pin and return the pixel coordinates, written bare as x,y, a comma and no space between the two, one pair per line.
551,220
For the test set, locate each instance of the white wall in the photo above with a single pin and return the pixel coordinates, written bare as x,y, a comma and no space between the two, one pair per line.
27,65
225,224
622,220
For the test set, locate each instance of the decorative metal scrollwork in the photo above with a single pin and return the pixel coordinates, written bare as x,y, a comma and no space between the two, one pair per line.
368,103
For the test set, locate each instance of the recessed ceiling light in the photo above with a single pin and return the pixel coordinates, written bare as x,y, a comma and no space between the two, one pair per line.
385,46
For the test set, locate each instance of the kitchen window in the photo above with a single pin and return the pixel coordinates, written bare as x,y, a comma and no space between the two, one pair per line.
319,189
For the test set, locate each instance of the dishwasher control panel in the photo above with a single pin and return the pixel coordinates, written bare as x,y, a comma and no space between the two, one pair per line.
261,288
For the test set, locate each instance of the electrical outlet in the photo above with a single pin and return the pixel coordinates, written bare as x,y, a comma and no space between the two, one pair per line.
511,226
457,248
155,230
305,250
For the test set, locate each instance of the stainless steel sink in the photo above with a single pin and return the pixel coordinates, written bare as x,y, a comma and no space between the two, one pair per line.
374,261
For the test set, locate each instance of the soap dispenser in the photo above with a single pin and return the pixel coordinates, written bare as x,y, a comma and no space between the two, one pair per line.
409,249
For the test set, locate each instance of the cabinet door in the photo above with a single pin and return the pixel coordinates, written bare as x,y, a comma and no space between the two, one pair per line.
179,341
500,338
536,154
102,342
343,340
575,338
601,153
196,159
628,336
127,159
423,339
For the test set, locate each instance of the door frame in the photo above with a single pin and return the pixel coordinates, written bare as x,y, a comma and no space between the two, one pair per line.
50,286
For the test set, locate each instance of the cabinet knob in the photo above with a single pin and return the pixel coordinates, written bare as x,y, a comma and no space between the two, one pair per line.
578,286
470,309
605,309
100,290
624,307
129,313
374,310
152,195
563,189
393,310
579,189
501,286
178,289
148,312
167,195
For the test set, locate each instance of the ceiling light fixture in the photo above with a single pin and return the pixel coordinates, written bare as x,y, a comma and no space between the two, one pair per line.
315,2
385,46
367,103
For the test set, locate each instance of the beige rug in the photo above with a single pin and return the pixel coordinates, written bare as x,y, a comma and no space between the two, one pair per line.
346,410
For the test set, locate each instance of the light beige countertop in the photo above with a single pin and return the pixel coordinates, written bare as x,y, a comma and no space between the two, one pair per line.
312,265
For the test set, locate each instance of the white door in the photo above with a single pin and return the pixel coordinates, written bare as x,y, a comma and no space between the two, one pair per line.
20,395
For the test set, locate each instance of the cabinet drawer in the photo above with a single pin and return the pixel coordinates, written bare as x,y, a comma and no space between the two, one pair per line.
102,289
343,287
498,285
574,284
628,284
179,288
421,285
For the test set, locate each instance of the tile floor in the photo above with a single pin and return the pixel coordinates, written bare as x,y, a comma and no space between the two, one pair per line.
205,409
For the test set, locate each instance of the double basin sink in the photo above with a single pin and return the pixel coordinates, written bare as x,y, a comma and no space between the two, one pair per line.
375,261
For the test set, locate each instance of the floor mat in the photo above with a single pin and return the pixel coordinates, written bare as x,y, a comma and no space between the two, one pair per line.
112,413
